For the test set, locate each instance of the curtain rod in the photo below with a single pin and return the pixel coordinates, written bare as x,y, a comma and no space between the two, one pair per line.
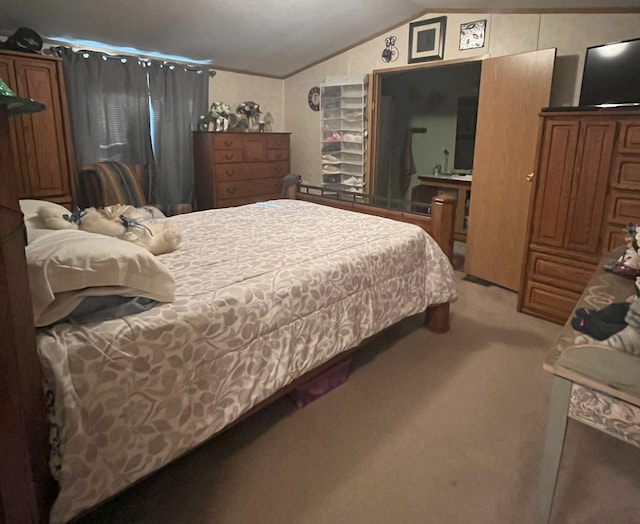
188,66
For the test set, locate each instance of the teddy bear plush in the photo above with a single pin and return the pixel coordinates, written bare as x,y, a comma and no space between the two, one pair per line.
122,221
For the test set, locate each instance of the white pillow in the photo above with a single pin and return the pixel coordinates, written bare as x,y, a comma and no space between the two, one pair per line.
67,265
32,220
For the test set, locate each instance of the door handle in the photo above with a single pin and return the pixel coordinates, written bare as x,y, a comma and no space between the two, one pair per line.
529,177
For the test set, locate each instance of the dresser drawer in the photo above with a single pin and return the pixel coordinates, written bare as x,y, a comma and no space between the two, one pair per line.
250,171
559,271
225,156
227,141
614,236
624,207
264,186
279,169
626,172
277,141
274,155
242,171
629,138
548,302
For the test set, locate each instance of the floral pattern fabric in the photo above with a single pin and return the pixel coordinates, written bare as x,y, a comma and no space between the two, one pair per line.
594,362
264,293
606,413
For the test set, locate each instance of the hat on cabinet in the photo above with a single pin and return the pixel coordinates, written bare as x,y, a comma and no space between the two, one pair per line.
25,40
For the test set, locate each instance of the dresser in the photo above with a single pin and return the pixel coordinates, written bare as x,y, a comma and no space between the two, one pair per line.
41,143
587,188
233,169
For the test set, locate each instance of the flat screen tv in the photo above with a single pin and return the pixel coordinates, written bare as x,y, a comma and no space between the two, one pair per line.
611,74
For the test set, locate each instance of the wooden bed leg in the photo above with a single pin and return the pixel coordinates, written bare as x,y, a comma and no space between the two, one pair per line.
444,218
437,318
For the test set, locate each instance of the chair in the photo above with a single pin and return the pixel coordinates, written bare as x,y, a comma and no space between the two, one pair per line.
112,182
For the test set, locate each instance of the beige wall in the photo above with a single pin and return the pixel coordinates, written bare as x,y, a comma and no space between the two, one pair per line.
233,88
506,34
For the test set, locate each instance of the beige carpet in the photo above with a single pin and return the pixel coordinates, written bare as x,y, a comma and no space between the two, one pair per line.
428,429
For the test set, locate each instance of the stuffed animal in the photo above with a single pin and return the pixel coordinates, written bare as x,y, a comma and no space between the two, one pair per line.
122,221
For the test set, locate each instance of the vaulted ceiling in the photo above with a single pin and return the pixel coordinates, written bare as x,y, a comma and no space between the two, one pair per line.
267,37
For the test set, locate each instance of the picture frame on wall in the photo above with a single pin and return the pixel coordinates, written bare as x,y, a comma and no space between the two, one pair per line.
472,34
426,39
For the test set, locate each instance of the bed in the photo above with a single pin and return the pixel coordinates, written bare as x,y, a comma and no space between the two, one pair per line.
131,394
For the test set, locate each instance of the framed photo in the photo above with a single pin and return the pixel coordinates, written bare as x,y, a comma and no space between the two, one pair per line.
472,34
426,39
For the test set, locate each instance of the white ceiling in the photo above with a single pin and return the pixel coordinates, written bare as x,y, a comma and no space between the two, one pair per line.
268,37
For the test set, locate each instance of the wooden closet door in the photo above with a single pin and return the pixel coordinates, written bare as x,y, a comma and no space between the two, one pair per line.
589,186
44,142
555,174
7,73
513,89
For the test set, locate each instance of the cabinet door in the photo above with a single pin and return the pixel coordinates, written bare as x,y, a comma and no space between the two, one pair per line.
555,172
589,186
254,148
7,73
43,154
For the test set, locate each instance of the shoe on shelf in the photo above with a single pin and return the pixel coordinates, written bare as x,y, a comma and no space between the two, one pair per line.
331,147
335,137
330,169
331,179
349,137
330,159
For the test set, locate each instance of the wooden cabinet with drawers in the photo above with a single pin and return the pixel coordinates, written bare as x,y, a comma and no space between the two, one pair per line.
587,188
232,169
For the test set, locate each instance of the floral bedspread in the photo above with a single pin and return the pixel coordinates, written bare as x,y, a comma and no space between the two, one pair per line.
265,292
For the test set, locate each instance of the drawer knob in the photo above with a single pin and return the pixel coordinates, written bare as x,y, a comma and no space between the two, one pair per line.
278,156
228,143
231,190
229,157
230,173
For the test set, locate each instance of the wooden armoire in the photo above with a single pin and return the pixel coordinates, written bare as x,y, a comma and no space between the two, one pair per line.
587,188
41,143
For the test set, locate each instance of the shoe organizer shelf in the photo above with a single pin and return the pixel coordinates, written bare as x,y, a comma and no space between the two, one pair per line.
343,103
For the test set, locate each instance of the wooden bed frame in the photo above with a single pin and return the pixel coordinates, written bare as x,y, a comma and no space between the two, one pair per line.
27,489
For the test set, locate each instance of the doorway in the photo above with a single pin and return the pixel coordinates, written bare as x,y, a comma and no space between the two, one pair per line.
511,91
425,124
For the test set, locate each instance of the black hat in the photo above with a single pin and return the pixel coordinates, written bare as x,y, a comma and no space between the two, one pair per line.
25,40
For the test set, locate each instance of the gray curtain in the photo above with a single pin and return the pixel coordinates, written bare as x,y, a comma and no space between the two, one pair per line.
108,100
179,95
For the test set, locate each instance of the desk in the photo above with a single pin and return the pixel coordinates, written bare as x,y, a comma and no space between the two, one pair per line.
592,383
457,186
